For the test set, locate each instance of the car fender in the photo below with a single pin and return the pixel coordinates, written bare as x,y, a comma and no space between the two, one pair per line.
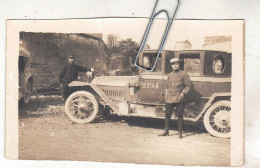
94,89
215,97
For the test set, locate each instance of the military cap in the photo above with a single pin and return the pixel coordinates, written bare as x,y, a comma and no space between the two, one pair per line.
71,56
174,60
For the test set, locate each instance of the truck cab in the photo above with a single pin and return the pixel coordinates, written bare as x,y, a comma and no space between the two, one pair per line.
209,71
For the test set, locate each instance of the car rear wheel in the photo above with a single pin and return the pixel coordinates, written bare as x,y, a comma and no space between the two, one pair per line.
217,119
81,107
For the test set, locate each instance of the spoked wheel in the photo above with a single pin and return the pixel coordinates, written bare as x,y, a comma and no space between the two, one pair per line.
217,119
81,107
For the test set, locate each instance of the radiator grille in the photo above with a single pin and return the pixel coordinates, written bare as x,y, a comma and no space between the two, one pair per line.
113,93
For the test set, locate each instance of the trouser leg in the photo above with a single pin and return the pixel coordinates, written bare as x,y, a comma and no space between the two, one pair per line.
180,123
179,113
168,112
64,90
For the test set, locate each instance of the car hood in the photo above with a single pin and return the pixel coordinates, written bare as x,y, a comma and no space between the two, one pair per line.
115,80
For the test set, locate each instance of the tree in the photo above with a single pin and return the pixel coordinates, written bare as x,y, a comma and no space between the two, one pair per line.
129,49
125,50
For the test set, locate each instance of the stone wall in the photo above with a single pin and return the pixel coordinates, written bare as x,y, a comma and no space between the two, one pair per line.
49,52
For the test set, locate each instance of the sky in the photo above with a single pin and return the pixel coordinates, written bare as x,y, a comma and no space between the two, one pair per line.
193,30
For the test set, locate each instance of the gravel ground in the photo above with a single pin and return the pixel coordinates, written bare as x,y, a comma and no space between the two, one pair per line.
46,133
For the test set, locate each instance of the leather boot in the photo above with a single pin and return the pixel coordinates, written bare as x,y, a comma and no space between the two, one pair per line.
165,133
180,135
180,125
167,125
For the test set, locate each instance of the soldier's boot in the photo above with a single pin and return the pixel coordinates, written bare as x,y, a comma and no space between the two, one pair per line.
165,133
180,134
180,126
167,125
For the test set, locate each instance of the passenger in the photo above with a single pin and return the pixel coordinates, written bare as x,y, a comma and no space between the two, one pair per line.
178,85
218,66
69,73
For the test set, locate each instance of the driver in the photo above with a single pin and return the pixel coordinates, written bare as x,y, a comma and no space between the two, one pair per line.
69,73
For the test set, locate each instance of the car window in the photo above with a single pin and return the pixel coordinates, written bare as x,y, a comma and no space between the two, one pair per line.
191,64
168,67
149,61
218,65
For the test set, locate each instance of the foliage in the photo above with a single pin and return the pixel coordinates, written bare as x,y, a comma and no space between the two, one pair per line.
123,49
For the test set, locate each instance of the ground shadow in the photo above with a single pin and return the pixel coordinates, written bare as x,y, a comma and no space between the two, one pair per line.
39,107
189,127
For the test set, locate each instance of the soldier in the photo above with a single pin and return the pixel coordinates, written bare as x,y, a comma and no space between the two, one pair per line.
69,73
178,85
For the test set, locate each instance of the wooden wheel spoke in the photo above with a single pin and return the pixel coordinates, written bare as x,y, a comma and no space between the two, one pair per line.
81,107
217,119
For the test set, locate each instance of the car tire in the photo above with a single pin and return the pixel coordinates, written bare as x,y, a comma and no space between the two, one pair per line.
217,119
81,107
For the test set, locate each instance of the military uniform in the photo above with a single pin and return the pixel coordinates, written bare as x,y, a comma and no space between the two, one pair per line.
178,85
68,74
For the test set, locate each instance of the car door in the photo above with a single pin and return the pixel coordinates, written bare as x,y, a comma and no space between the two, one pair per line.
192,64
150,82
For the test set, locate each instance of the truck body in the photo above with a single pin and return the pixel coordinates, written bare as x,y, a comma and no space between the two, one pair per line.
26,82
143,95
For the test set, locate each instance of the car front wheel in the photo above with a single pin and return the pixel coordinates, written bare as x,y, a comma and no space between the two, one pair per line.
217,119
81,107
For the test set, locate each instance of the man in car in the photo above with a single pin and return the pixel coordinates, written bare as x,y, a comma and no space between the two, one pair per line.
178,85
69,73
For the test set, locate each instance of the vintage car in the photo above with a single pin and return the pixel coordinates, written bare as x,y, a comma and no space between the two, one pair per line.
26,82
142,95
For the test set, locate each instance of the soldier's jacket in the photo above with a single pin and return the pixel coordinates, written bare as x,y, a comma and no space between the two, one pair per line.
70,72
177,83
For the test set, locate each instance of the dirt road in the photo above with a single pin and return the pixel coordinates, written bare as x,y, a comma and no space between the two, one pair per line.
46,133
